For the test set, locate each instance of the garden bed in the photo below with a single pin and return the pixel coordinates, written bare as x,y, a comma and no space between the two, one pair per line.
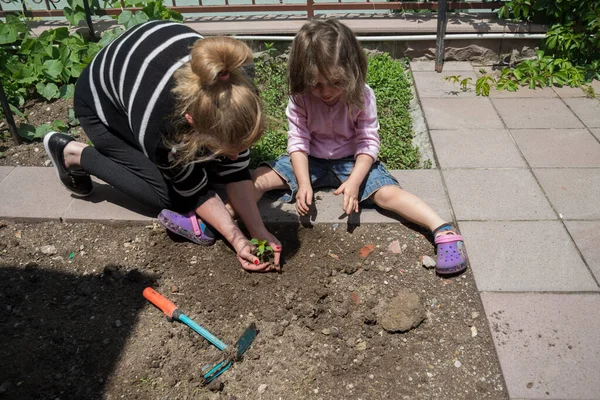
74,324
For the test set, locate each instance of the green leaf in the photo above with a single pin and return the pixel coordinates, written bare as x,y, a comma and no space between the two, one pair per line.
42,130
49,91
128,19
27,131
53,68
59,126
73,121
110,35
67,91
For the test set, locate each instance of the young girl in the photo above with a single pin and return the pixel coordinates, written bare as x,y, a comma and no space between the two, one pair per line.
333,139
169,113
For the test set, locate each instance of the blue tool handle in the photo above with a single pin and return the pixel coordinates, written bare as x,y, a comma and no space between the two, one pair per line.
203,332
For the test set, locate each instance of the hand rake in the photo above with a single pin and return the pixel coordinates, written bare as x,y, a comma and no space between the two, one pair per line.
174,314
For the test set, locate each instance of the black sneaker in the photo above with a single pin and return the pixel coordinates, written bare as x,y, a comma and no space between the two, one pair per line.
77,182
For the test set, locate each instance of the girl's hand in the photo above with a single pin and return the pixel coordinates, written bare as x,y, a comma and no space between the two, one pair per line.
304,199
350,190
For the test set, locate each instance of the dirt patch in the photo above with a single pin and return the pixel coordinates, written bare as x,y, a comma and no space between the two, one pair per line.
31,153
74,324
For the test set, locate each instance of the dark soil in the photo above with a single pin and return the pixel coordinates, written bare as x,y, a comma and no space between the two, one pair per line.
74,324
32,154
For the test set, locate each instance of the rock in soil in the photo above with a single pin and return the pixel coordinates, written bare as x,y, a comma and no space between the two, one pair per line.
403,313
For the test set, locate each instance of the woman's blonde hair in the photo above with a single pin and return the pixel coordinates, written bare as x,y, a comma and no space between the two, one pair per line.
329,48
221,99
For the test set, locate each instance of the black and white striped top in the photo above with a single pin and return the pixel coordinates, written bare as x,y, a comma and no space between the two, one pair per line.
128,87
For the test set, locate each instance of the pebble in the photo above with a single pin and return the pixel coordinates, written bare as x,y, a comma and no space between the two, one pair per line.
429,375
457,364
262,388
47,163
371,376
215,386
428,262
474,315
473,331
47,108
106,341
48,249
36,149
118,323
326,331
361,346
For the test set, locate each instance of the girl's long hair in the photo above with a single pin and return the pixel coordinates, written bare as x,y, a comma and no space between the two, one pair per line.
221,99
329,48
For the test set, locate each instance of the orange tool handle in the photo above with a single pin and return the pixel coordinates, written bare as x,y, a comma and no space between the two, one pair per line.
159,301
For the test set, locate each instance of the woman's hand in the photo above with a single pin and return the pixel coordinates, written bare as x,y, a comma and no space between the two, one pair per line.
304,199
245,254
350,190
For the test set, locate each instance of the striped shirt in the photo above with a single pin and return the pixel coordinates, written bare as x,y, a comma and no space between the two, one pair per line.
128,86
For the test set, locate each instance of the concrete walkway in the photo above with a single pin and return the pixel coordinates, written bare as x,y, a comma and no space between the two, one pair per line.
520,172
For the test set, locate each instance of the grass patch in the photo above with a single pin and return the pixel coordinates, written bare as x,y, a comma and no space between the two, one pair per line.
386,77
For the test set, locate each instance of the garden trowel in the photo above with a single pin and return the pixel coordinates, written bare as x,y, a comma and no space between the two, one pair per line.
174,314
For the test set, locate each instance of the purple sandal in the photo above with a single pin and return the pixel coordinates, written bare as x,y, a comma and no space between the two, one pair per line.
451,254
187,226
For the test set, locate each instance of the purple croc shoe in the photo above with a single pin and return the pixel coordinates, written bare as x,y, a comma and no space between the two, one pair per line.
451,254
187,226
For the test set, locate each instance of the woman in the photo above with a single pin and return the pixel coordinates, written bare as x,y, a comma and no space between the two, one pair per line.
169,113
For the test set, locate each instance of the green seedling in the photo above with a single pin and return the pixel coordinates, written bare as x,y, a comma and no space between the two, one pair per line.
263,251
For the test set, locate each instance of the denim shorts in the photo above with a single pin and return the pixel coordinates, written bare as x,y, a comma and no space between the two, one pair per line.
330,173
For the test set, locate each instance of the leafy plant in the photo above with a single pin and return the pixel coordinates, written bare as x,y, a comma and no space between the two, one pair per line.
544,71
31,132
573,37
263,251
392,88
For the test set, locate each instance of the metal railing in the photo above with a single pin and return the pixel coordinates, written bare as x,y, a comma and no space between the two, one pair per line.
309,7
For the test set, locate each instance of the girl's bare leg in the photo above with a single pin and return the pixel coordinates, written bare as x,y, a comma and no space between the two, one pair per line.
407,205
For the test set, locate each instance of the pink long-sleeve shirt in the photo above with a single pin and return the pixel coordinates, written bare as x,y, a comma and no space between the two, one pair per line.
333,132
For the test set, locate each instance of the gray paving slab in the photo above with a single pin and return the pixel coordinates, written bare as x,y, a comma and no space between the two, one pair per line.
586,109
536,113
427,184
523,92
547,343
596,133
433,84
585,234
449,66
476,148
107,204
4,171
33,192
574,192
558,147
523,256
567,91
496,194
465,113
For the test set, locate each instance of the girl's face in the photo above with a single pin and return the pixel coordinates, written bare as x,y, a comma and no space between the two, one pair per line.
329,94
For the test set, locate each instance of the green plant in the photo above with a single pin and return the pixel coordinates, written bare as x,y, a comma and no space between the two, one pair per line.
263,251
31,132
392,88
573,37
151,10
271,81
541,72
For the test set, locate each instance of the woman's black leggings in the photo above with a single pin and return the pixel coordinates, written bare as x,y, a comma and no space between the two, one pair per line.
123,166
